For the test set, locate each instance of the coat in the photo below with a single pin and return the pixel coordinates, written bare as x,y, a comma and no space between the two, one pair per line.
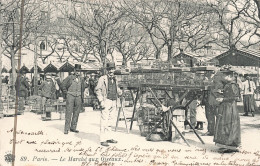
216,90
46,91
66,83
102,88
21,86
228,130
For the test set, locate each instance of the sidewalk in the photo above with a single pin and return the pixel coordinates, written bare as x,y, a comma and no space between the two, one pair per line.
43,143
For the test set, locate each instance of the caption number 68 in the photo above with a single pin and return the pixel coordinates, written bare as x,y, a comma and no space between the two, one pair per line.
23,158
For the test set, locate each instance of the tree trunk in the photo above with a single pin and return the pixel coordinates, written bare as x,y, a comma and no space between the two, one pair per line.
1,50
124,61
35,75
257,2
169,52
13,64
157,54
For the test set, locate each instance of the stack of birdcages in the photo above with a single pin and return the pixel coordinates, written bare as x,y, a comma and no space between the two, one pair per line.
164,73
147,117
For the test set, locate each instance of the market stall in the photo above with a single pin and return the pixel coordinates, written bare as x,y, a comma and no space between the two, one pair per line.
159,84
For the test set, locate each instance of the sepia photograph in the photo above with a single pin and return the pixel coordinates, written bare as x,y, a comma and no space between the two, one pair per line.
130,82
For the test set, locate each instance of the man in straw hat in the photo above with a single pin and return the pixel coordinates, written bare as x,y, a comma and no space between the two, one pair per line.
73,88
107,93
47,93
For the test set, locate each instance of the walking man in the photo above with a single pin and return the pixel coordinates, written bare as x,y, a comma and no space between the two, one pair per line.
73,88
107,93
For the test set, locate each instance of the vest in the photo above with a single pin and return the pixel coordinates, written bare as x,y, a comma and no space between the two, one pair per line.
112,91
75,88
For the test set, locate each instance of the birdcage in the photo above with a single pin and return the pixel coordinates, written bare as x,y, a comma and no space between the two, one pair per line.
147,117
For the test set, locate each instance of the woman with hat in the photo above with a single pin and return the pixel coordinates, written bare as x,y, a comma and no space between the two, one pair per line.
227,132
248,88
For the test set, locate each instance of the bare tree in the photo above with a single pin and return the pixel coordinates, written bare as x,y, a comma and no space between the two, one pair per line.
94,23
257,2
129,41
252,15
165,21
10,35
233,29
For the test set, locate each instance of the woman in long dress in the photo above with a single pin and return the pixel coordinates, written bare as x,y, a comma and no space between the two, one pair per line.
227,132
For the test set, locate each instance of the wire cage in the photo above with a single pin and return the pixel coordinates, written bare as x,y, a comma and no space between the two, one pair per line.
147,117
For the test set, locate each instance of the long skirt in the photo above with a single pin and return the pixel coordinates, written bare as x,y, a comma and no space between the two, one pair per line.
249,103
227,131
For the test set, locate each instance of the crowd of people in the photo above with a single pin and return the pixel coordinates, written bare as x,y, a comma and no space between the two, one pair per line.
72,89
221,112
219,103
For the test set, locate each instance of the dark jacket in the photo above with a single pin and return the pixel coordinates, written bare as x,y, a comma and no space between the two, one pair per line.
21,86
92,85
48,90
66,83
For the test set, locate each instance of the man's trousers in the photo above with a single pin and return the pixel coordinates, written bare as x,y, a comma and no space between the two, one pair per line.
73,107
107,120
211,112
249,103
46,114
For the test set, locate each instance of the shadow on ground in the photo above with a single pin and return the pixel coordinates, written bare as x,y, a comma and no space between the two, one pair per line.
88,136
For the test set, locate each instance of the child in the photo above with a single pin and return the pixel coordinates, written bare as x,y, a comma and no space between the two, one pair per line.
201,117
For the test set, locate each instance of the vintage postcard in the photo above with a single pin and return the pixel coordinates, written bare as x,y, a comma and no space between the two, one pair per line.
129,82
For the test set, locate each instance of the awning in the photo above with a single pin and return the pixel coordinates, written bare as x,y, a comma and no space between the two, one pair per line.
67,67
50,68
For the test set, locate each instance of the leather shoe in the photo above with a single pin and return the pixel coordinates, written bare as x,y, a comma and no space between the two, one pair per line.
224,150
75,131
253,114
66,132
245,114
112,141
104,144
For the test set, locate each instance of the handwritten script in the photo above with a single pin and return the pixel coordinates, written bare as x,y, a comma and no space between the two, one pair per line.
78,152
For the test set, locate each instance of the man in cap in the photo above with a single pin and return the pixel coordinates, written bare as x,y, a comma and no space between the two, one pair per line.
73,88
47,93
107,93
248,88
22,88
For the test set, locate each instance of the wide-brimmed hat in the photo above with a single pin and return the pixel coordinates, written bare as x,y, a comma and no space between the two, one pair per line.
48,75
110,65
